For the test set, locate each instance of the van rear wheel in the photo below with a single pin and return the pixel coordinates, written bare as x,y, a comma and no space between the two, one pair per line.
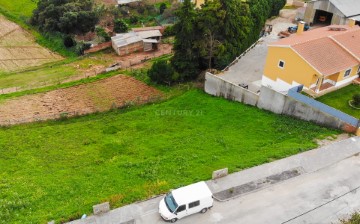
203,210
173,220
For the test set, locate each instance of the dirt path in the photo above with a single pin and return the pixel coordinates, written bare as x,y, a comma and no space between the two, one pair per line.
102,95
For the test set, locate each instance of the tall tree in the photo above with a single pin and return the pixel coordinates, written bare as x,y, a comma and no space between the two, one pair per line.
236,30
209,24
185,60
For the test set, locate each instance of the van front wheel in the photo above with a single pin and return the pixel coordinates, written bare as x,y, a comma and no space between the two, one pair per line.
203,210
173,220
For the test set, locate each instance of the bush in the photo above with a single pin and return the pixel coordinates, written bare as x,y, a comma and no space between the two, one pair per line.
162,8
169,31
134,19
356,100
100,32
69,41
161,72
355,219
81,47
120,26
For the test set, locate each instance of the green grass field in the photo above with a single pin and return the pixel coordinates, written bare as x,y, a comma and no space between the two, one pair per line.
21,9
58,170
340,99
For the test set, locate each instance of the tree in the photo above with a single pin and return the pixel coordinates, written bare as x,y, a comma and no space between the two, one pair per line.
277,5
65,16
210,22
162,8
161,72
185,60
120,26
69,41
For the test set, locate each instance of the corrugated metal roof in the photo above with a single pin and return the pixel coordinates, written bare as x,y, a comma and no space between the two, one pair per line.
123,2
151,41
124,39
355,17
347,7
149,33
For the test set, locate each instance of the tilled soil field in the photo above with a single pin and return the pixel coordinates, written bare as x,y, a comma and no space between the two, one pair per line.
18,48
103,95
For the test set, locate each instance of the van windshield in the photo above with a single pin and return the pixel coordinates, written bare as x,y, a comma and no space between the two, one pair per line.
170,203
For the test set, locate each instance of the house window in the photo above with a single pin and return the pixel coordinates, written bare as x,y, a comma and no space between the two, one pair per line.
194,204
281,64
358,72
347,72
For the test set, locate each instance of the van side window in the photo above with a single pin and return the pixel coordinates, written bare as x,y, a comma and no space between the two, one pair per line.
181,208
194,204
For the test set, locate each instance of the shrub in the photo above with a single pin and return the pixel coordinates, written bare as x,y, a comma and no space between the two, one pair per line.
102,33
120,26
355,219
81,47
134,19
162,72
356,100
68,41
169,31
162,8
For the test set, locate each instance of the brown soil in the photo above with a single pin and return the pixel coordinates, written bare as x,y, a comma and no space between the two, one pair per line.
114,92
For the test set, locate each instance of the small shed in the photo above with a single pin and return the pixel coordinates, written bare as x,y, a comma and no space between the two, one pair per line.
126,43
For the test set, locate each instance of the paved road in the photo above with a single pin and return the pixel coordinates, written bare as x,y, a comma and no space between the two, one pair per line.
326,192
312,198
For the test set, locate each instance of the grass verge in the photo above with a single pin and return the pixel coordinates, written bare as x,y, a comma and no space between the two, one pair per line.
340,99
59,169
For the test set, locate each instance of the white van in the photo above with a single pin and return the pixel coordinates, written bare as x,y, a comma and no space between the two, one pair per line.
185,201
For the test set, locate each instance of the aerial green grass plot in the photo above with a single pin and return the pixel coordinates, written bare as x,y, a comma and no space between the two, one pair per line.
59,170
21,9
340,99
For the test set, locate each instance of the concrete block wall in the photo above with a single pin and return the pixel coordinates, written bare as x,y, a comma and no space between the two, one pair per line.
275,102
282,104
216,86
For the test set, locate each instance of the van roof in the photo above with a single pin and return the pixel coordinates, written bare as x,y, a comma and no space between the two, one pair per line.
190,193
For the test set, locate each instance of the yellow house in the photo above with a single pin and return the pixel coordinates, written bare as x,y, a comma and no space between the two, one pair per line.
322,59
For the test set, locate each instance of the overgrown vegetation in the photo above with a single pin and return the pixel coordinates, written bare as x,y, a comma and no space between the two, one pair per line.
340,99
162,72
58,170
355,219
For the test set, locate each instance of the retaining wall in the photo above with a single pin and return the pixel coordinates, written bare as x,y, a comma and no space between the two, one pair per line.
294,104
217,86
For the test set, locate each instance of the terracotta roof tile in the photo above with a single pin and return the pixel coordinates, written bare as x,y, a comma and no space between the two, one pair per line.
314,34
350,41
328,51
325,55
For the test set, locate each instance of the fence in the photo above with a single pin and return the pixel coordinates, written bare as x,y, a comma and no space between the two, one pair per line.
294,93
